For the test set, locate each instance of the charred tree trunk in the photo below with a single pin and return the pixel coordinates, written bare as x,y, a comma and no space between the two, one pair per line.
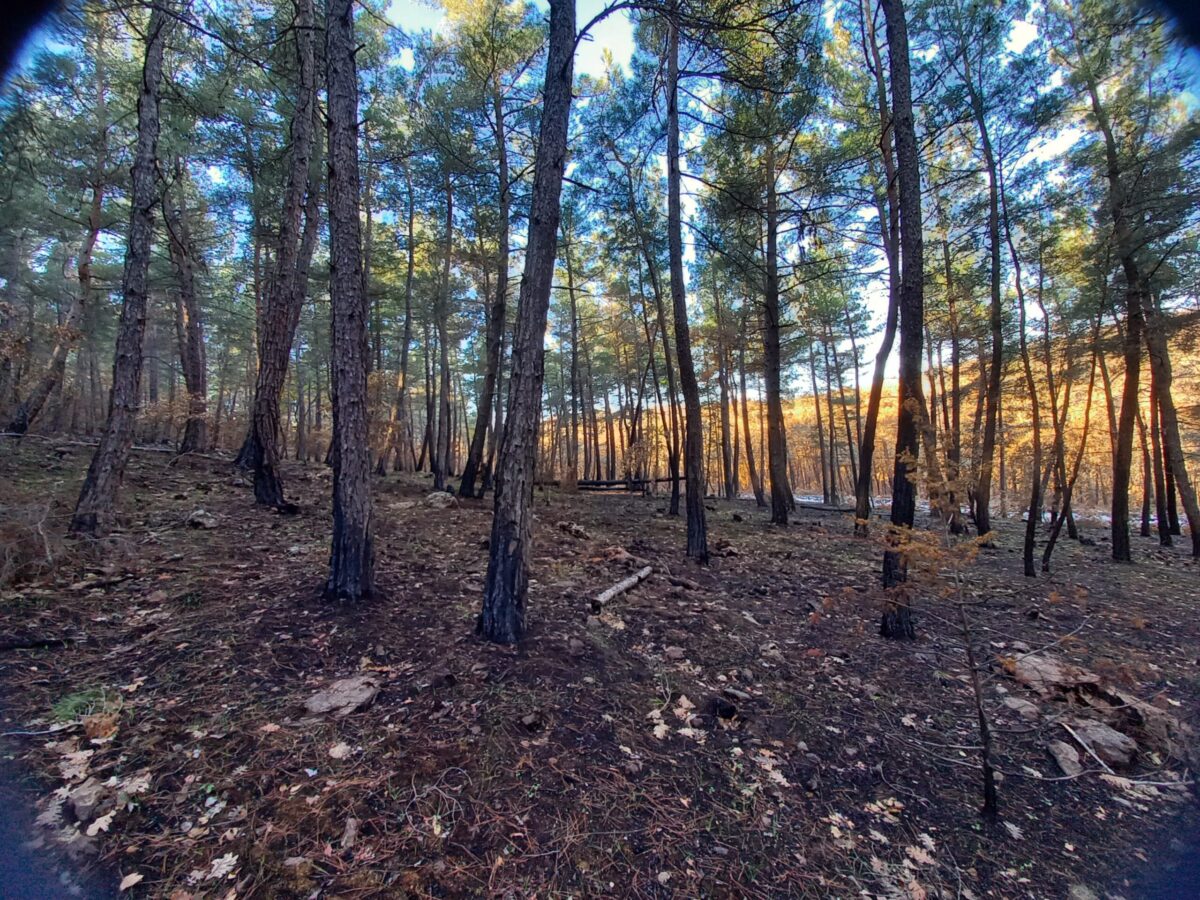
889,227
897,617
502,618
351,562
781,500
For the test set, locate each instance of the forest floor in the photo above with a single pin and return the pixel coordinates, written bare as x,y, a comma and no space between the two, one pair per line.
738,730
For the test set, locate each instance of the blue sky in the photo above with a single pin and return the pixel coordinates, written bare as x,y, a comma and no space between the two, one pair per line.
615,33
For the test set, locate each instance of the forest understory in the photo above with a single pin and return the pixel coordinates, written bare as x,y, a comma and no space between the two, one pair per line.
734,730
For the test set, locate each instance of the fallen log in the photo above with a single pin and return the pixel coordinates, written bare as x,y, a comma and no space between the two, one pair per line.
621,587
821,507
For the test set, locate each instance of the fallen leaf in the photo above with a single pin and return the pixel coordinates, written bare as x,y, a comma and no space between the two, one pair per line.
130,880
101,824
919,854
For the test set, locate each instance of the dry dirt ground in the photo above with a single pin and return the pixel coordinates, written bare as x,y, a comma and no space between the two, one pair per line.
739,730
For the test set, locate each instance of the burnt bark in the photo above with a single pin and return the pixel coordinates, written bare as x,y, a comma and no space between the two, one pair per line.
897,616
351,562
781,499
502,618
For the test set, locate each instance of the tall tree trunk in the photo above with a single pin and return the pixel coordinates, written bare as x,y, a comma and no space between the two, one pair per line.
502,618
693,452
351,561
755,478
283,297
441,458
889,227
1160,482
573,444
897,617
983,490
399,437
94,512
1160,370
1134,325
189,321
781,500
496,316
1035,469
1069,491
728,464
816,396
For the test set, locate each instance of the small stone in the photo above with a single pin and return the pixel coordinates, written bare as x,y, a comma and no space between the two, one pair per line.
576,647
532,721
440,500
1030,712
344,696
674,653
1066,756
201,519
1110,745
734,694
1081,892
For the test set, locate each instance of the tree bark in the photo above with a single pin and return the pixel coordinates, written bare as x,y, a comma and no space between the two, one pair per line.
351,562
889,227
781,501
399,429
441,455
755,479
693,450
496,316
502,618
283,298
897,617
189,322
94,512
1160,370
